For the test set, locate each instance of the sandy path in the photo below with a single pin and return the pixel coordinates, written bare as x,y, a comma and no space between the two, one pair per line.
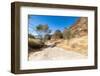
55,53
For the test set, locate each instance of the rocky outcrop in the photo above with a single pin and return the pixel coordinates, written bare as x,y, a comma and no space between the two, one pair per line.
80,28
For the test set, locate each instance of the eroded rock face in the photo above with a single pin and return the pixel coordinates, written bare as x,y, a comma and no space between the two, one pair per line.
80,28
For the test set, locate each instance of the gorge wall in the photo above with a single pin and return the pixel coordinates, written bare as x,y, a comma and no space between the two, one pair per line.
80,28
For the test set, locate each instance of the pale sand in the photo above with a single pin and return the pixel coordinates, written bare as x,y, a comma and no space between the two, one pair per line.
55,53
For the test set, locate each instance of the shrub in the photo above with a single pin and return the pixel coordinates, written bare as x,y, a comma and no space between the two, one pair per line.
68,34
57,35
35,43
47,37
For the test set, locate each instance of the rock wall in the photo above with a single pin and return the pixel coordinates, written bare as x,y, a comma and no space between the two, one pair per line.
80,28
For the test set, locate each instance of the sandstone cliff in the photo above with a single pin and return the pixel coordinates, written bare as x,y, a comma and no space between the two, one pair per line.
80,28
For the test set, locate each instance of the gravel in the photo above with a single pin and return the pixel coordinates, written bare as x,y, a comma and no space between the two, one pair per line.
55,53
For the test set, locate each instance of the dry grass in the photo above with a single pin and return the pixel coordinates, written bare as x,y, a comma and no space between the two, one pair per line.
79,45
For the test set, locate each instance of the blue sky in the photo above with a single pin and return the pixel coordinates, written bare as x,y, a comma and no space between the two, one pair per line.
54,22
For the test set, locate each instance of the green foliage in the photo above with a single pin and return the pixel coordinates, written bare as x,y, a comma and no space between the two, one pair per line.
68,34
57,34
47,37
41,27
42,30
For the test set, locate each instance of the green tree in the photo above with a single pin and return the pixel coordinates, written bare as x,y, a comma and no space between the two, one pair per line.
42,30
68,34
47,37
39,29
57,34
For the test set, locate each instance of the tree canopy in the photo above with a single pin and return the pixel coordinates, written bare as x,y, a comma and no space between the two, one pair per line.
57,34
42,30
